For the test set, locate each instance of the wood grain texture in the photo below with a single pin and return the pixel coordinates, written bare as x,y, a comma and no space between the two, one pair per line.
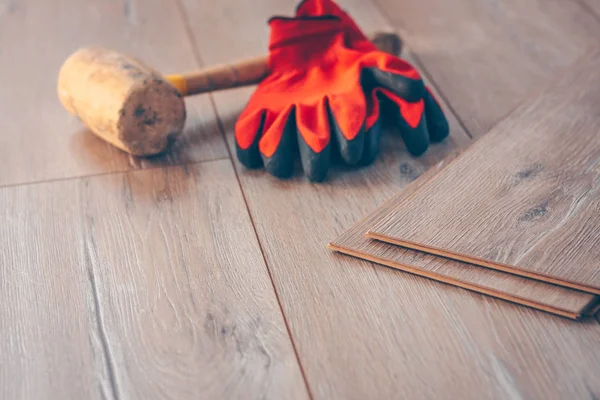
51,347
526,197
486,56
40,140
168,262
374,333
187,297
537,294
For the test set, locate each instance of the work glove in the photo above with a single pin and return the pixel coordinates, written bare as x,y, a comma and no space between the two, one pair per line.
322,95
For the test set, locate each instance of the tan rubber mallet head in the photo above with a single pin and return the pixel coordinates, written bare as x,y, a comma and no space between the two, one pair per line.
121,100
138,110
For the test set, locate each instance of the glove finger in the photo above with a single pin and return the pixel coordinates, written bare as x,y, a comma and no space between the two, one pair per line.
373,128
411,121
248,129
347,115
314,133
437,123
371,146
403,80
278,145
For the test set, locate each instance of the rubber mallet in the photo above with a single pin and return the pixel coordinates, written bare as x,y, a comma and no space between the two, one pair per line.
140,111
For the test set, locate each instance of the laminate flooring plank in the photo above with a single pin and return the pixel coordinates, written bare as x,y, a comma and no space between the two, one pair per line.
188,304
52,343
39,140
150,284
487,56
526,197
532,293
375,333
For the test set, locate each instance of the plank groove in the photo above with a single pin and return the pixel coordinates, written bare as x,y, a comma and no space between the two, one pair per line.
148,284
363,332
40,141
486,56
535,209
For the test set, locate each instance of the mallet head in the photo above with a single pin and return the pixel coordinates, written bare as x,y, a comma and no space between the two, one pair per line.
121,100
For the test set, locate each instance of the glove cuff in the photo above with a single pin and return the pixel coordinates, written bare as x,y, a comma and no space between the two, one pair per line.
318,7
287,31
355,37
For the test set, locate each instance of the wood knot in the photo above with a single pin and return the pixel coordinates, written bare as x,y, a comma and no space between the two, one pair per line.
534,213
530,172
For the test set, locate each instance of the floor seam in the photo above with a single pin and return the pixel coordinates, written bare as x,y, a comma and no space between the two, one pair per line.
273,285
78,177
589,9
422,69
197,56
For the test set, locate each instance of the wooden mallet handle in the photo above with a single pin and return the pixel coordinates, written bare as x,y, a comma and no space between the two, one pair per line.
253,71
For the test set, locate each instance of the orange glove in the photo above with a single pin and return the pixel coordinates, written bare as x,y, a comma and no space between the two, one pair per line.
321,96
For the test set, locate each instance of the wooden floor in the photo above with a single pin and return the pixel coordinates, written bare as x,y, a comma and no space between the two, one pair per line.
187,276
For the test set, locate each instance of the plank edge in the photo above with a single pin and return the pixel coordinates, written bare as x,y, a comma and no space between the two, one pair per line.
480,262
458,283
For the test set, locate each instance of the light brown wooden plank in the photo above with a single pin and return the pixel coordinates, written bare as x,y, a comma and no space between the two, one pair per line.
39,140
52,343
376,333
486,56
526,197
187,298
168,260
532,293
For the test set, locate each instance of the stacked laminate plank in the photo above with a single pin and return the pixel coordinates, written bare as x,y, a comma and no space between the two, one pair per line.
517,216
